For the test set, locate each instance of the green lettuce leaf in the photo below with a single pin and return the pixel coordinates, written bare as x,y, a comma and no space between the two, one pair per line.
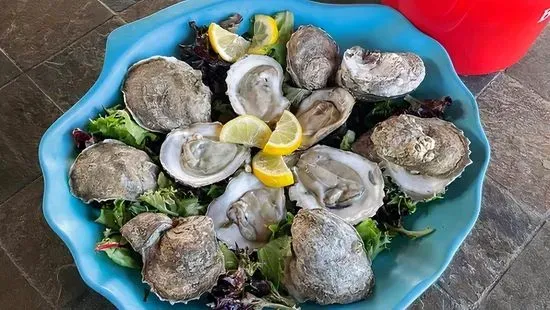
163,181
118,124
120,213
107,218
170,202
374,240
347,140
285,25
231,261
272,259
282,228
116,249
215,191
189,207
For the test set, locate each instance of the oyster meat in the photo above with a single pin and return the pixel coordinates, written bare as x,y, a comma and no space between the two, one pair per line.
195,157
186,262
421,155
254,86
243,213
344,183
328,263
323,112
312,57
144,230
375,76
163,93
111,170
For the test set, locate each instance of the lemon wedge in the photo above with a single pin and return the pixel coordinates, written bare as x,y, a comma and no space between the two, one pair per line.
246,129
265,34
271,170
286,137
228,45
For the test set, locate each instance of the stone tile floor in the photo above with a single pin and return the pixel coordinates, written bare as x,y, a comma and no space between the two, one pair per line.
52,51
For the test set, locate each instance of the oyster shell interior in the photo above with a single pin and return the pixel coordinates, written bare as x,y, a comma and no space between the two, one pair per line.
254,86
421,155
328,263
345,183
111,170
243,213
163,93
312,57
195,157
375,76
323,112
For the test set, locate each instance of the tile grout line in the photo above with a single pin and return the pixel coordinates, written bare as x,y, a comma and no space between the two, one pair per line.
107,7
22,188
10,257
528,87
515,255
488,83
44,93
16,66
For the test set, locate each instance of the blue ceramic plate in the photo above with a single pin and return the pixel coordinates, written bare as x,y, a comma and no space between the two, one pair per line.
402,273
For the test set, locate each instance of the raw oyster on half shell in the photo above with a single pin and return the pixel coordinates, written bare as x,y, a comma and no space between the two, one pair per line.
344,183
186,262
111,170
245,210
164,93
328,263
421,155
323,112
312,57
254,86
376,76
194,156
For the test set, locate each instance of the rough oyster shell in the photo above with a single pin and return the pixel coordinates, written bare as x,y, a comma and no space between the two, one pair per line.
344,183
194,156
163,93
421,155
329,264
111,170
375,76
144,230
312,57
254,86
243,213
186,262
323,112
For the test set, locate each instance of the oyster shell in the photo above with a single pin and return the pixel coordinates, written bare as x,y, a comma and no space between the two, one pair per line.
344,183
421,155
323,112
254,86
375,76
194,156
163,93
111,170
186,262
243,213
144,230
312,57
328,263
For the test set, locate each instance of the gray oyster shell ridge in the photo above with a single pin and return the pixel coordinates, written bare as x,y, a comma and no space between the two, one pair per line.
328,264
186,262
144,230
111,170
312,57
164,93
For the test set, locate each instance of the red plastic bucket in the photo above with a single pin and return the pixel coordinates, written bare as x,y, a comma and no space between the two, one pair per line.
482,36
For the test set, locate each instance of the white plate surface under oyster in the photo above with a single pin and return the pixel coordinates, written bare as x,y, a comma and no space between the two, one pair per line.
328,263
254,86
194,156
421,155
163,93
243,213
323,112
111,170
345,183
375,76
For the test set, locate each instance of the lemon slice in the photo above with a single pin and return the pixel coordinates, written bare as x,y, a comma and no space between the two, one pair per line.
228,45
265,34
286,137
246,129
271,170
